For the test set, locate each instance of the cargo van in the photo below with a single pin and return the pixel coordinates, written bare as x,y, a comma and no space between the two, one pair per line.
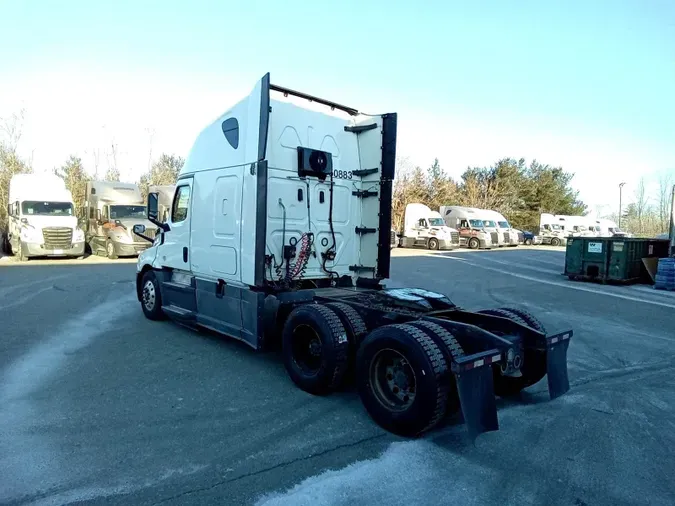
41,218
472,231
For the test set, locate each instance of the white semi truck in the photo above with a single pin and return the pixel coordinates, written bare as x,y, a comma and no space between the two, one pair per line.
111,211
472,231
41,218
279,237
551,231
425,228
509,236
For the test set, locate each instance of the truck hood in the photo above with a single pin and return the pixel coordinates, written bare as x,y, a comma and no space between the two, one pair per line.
130,222
41,222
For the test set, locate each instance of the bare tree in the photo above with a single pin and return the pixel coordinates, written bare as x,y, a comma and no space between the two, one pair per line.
641,204
665,184
151,137
12,128
113,172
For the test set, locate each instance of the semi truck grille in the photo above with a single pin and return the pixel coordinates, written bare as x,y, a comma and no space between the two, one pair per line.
494,236
58,237
507,237
392,238
454,237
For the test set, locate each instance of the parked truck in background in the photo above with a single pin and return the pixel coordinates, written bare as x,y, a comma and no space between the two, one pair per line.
165,195
111,211
472,233
41,219
277,240
550,230
425,228
509,236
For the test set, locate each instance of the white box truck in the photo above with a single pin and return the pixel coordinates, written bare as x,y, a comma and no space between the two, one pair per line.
425,228
472,231
111,211
279,234
41,218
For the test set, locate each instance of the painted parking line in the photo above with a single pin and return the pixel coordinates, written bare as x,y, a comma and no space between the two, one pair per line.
571,285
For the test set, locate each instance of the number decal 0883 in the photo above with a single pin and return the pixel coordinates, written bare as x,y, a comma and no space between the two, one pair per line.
342,174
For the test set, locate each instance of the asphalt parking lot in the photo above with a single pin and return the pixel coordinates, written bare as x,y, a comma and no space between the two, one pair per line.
100,406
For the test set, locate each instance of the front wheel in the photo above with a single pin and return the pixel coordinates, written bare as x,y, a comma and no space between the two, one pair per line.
474,243
110,250
20,254
433,243
555,242
151,298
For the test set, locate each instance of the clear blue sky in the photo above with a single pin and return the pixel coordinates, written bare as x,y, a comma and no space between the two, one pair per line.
589,70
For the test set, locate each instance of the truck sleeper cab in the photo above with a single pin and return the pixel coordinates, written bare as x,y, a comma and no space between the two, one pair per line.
277,236
472,232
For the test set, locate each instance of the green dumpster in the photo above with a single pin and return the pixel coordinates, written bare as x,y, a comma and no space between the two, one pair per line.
611,259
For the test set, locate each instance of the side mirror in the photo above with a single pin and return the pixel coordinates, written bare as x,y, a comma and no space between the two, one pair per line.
139,229
153,207
98,214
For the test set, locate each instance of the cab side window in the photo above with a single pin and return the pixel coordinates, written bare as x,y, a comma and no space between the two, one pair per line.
464,224
181,204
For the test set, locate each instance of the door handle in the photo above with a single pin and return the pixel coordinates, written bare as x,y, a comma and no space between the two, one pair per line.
185,254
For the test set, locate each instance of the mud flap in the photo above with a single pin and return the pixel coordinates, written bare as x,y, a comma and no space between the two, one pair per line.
556,366
477,400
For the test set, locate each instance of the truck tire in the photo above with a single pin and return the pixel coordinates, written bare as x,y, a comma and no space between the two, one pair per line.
433,243
451,350
151,297
110,250
474,243
528,242
315,348
534,362
401,377
356,331
555,242
20,254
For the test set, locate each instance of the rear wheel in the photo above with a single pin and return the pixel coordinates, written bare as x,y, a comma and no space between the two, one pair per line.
433,243
356,330
402,379
315,348
533,367
528,242
474,243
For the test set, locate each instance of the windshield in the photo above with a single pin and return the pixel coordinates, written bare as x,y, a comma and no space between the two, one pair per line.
119,212
489,223
476,223
504,224
436,222
556,227
29,207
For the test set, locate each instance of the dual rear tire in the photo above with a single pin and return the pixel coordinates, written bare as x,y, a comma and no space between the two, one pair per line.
402,371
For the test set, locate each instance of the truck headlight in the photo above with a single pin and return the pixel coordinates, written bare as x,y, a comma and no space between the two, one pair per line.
121,238
78,236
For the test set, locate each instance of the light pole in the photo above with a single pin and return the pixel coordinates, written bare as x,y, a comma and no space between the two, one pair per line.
620,189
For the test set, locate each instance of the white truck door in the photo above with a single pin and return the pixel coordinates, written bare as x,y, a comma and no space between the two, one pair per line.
175,252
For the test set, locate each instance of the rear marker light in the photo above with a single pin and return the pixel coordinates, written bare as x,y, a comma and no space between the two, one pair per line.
478,363
554,340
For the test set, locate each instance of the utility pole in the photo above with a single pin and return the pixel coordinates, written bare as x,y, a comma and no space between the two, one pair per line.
620,208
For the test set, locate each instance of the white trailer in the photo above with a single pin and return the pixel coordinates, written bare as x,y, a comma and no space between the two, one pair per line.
425,228
111,211
41,218
277,237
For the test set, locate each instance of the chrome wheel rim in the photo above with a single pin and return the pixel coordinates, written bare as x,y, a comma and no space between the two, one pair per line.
393,380
111,249
149,295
